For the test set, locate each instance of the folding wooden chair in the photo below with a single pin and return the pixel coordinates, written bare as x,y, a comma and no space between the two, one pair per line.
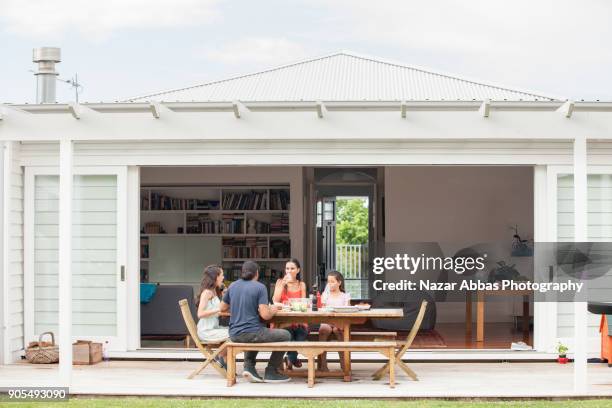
405,346
206,348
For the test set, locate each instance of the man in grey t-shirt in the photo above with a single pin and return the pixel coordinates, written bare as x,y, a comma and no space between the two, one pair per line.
247,301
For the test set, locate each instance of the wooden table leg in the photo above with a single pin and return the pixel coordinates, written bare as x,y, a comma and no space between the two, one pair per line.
311,371
468,314
231,367
526,319
392,367
480,310
347,354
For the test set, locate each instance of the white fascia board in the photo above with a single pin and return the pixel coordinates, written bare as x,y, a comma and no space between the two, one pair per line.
10,110
273,125
280,106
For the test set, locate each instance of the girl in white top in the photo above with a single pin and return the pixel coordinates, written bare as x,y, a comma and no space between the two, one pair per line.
208,308
334,295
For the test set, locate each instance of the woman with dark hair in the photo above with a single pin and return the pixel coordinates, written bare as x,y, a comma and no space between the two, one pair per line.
208,302
290,286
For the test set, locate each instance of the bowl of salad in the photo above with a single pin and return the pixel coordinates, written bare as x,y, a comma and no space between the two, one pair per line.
299,305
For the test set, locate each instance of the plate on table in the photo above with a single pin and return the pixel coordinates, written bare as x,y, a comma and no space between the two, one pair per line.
363,307
345,309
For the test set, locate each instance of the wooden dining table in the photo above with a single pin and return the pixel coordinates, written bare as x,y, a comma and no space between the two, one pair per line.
342,320
480,311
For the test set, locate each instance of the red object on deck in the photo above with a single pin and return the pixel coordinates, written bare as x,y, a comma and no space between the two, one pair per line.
319,302
606,340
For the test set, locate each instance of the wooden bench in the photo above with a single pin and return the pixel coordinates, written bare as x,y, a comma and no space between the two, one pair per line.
311,349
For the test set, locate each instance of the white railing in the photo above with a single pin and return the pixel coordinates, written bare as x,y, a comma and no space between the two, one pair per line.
352,260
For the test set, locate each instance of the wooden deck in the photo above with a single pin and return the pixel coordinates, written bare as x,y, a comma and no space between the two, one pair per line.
442,380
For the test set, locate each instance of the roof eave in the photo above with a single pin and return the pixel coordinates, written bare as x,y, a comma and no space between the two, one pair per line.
118,107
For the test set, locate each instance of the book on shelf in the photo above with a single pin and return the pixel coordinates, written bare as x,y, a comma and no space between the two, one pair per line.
144,202
280,223
144,248
267,275
163,202
280,248
250,247
233,223
232,271
258,227
252,200
202,224
279,200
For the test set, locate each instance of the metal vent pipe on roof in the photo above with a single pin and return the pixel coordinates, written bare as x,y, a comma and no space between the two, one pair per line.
46,58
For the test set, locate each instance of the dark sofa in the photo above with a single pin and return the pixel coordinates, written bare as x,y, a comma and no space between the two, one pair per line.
161,317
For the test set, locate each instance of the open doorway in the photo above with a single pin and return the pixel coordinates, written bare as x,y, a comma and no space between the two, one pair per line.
194,216
446,209
343,225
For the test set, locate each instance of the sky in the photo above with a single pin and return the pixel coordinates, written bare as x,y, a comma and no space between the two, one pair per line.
124,48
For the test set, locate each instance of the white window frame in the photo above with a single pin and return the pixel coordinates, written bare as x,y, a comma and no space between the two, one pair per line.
119,341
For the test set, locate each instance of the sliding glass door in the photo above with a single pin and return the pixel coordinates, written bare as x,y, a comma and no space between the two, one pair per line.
98,254
599,225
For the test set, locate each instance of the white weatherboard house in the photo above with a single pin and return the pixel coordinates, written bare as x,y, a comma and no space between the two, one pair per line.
439,157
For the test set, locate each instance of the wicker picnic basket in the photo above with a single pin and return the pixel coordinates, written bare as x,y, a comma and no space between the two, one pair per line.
43,352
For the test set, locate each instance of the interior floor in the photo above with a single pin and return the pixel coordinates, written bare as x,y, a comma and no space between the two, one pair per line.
496,336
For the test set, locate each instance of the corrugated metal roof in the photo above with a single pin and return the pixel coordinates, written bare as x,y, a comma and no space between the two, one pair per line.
344,76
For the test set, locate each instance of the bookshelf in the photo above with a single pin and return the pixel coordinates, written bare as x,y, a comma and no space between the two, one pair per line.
251,221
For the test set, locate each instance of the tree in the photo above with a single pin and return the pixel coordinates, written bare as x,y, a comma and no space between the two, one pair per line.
351,221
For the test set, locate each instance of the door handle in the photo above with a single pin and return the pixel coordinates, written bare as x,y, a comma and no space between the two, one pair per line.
122,273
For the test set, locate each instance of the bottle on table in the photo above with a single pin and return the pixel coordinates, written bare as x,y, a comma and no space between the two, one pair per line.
314,299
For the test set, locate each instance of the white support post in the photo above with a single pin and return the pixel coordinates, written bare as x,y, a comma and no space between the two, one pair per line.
4,293
580,235
65,261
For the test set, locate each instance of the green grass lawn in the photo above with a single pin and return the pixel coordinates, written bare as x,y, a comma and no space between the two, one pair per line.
269,403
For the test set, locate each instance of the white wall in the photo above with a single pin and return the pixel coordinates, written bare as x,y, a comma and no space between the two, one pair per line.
3,276
459,204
